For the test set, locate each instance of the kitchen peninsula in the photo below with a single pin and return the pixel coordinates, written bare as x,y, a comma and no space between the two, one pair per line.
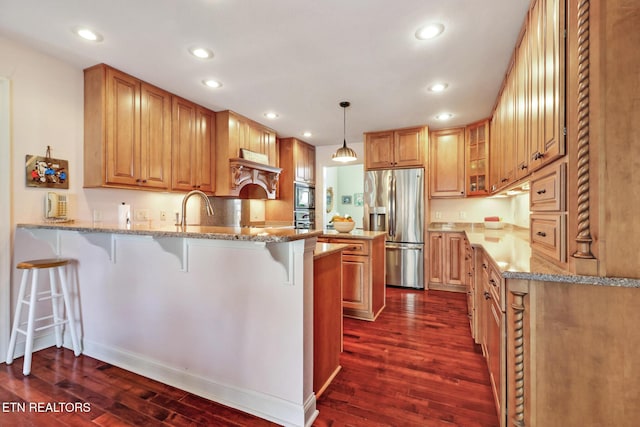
225,313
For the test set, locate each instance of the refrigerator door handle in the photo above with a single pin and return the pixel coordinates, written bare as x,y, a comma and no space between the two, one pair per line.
392,206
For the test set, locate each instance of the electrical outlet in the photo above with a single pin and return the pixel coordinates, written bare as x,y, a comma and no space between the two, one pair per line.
463,215
163,215
141,215
438,215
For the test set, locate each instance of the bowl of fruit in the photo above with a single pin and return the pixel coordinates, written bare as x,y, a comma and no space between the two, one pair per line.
343,224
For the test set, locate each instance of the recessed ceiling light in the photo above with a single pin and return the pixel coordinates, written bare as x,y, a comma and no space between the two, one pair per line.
429,31
444,116
201,52
307,134
212,83
438,87
88,34
271,115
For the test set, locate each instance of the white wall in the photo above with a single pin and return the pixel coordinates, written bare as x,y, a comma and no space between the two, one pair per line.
48,109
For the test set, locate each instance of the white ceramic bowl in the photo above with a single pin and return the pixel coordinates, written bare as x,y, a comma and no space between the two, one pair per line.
494,225
344,226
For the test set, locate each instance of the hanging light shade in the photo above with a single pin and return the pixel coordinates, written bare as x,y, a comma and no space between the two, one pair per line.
344,154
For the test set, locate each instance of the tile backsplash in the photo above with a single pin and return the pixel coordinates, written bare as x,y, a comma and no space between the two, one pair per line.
513,210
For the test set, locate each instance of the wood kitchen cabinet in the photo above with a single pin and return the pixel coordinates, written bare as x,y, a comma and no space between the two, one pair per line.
127,131
447,166
193,133
400,148
491,326
233,134
363,275
297,160
477,146
447,268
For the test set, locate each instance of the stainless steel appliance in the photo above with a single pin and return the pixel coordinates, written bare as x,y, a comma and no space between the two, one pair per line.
304,196
394,202
305,219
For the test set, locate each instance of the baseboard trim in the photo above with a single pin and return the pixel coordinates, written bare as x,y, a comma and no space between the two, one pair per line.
276,410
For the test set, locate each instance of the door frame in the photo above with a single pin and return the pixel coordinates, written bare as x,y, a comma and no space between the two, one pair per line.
6,246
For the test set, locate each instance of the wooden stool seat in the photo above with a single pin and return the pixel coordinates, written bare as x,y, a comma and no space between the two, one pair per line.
57,267
43,263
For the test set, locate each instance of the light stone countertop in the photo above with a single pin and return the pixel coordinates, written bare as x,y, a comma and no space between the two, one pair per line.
253,234
510,250
354,234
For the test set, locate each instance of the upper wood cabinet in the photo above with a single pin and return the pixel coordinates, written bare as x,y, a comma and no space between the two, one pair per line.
127,131
304,161
399,148
447,164
477,140
234,133
297,160
193,133
527,128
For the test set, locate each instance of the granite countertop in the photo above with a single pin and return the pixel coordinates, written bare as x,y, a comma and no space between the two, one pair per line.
510,250
324,249
254,234
354,234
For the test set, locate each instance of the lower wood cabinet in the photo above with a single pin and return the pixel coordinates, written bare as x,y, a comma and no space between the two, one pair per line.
327,319
572,354
491,325
447,261
363,276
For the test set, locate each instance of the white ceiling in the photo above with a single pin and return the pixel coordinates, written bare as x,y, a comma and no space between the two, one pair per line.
299,58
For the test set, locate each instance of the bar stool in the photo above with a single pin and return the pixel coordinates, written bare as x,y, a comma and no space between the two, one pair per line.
33,267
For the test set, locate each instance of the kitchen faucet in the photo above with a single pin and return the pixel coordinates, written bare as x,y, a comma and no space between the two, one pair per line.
183,221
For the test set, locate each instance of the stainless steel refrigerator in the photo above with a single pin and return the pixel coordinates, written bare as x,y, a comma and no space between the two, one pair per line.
394,202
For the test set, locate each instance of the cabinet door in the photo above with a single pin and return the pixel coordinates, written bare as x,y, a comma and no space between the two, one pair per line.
155,137
408,148
203,178
436,261
355,283
522,106
183,144
379,150
447,163
454,263
123,129
477,140
494,345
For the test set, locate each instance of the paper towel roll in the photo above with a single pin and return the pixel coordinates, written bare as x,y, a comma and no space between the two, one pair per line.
124,215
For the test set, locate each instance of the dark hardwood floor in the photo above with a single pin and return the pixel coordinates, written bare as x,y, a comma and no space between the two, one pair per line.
416,365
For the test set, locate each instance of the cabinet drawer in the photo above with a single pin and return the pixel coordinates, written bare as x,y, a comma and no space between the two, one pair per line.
548,188
548,235
356,247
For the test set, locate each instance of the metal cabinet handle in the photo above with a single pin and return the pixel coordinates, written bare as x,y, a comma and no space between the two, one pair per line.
541,191
493,282
487,295
523,167
541,233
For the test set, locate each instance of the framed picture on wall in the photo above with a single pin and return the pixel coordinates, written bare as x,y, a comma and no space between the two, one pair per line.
347,200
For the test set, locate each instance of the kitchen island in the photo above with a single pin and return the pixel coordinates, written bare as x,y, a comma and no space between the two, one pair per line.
224,313
363,272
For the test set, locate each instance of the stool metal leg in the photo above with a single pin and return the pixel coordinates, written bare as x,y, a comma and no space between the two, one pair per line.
16,317
68,311
54,305
28,348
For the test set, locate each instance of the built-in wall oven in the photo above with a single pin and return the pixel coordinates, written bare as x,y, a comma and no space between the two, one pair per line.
305,219
304,197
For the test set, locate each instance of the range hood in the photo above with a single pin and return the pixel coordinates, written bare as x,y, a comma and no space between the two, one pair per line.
245,174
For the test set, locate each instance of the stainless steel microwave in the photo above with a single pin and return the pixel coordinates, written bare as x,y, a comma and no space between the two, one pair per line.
304,196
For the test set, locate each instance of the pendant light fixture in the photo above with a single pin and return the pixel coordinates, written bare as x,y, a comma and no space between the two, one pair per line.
344,153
